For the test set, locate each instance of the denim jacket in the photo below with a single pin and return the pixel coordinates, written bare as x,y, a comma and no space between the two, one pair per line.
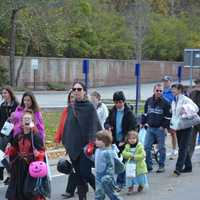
104,162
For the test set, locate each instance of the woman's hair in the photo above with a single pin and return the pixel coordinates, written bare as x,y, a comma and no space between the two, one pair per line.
105,136
34,105
10,91
81,83
96,94
69,97
178,86
131,133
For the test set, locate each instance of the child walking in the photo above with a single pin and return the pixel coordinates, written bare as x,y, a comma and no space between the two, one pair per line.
104,165
21,154
134,152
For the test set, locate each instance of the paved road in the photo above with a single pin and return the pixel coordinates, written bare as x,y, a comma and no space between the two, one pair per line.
161,186
58,99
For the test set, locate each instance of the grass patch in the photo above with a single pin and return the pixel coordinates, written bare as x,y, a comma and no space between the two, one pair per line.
51,121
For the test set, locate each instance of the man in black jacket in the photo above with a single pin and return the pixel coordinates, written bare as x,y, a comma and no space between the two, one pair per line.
156,116
120,121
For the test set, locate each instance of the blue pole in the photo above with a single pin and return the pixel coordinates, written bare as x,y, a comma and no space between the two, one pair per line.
86,71
191,63
137,75
179,73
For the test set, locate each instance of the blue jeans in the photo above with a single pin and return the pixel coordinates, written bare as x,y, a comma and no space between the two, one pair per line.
105,185
155,135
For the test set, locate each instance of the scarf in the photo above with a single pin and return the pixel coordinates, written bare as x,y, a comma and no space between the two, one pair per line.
80,127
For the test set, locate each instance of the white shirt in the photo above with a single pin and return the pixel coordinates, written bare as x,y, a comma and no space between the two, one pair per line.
102,112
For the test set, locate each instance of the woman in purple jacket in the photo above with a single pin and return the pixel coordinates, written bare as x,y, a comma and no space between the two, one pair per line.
28,102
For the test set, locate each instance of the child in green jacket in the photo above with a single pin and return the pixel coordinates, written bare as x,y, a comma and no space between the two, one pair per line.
134,152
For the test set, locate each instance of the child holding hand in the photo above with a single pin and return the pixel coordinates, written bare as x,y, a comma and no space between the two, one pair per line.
105,167
134,152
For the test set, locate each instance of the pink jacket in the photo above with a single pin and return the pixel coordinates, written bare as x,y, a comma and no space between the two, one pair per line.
16,118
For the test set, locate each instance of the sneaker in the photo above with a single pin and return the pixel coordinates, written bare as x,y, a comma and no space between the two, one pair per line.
67,195
160,169
130,190
140,188
149,169
176,173
6,182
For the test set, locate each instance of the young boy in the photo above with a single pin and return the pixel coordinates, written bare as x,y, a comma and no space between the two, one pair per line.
104,164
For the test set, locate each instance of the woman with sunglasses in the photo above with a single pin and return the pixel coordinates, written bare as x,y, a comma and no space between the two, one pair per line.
8,106
80,129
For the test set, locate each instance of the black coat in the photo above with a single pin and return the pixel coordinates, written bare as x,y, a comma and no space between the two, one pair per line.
80,128
5,111
128,121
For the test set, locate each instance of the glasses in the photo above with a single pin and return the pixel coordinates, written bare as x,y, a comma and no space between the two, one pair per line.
77,89
158,90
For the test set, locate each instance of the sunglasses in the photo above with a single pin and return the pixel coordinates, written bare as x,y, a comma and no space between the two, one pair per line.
158,90
77,89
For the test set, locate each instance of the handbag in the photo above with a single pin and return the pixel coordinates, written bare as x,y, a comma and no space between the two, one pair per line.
64,166
141,135
7,128
37,168
184,122
130,169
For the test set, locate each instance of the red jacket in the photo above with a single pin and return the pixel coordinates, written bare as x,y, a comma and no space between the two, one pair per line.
59,133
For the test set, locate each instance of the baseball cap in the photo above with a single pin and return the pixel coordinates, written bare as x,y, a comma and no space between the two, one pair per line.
167,78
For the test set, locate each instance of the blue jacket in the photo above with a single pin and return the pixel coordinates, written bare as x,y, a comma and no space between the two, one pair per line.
168,95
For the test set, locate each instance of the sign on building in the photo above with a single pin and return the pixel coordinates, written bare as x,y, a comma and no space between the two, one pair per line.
192,58
34,64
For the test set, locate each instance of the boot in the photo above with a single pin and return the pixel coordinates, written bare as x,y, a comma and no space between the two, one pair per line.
82,191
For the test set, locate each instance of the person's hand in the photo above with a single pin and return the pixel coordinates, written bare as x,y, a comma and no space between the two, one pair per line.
172,131
161,128
121,144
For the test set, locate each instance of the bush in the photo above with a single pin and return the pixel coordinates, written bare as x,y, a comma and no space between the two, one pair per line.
56,86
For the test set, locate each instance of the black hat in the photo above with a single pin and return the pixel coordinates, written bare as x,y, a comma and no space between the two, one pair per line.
119,95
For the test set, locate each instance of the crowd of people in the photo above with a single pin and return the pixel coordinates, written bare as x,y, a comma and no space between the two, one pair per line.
101,138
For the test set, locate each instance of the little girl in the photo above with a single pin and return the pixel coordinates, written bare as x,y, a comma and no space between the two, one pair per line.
134,152
21,154
105,167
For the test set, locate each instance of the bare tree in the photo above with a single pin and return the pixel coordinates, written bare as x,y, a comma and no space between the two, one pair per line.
138,17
